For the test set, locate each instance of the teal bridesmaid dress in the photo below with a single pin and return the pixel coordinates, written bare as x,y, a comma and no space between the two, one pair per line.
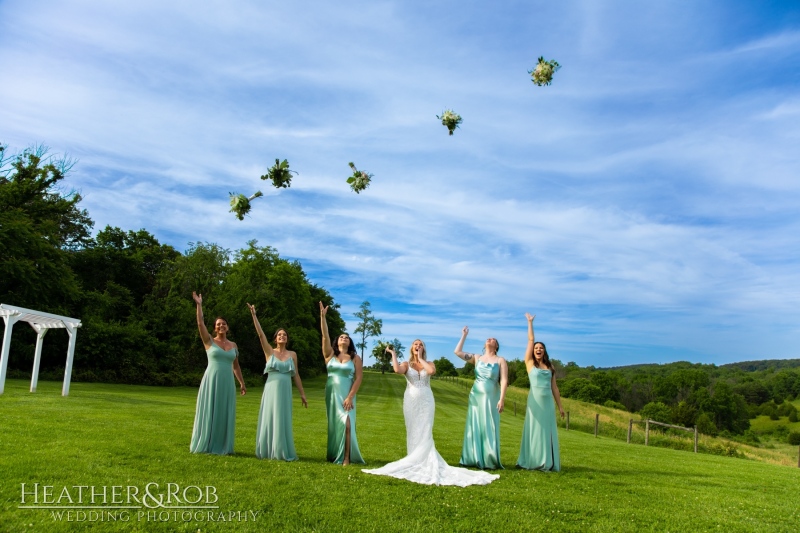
274,438
340,379
215,417
481,446
539,448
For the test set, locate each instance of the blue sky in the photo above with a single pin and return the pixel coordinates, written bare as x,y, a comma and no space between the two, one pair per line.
645,206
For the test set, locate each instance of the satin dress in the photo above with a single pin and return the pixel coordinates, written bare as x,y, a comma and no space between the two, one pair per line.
215,415
481,447
539,448
274,437
423,464
340,380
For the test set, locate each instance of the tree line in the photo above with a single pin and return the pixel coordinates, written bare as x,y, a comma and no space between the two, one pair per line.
718,399
132,293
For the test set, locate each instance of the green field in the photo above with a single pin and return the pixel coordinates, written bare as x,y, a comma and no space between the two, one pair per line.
113,435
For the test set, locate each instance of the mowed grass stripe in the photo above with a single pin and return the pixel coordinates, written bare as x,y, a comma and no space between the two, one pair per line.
120,435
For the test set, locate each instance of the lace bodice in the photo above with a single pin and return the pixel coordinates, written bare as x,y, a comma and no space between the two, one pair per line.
423,464
418,378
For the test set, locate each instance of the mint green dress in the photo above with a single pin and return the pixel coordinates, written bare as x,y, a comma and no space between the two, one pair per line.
539,448
481,446
340,380
274,438
215,416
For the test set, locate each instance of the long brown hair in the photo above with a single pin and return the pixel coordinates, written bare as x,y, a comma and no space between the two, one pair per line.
545,357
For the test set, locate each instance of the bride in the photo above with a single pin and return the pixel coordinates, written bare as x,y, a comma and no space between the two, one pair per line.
423,464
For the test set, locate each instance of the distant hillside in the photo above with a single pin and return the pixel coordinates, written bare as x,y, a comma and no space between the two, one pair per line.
767,364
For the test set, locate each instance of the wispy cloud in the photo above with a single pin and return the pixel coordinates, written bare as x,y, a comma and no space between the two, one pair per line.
645,205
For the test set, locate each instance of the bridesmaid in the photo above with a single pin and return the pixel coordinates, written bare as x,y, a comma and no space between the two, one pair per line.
274,438
215,417
539,448
344,379
481,446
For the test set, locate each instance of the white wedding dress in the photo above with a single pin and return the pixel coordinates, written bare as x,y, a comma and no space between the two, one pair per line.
423,464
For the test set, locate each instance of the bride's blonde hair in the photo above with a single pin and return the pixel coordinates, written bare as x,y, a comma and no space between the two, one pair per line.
414,358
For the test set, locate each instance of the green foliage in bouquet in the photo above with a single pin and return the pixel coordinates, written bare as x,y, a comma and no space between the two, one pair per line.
542,74
280,174
451,119
240,204
359,180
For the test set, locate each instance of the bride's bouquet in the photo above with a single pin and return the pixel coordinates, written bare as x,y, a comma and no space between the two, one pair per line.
451,119
280,174
240,204
542,74
359,181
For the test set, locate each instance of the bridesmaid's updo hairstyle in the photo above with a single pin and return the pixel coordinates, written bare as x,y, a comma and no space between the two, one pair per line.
545,357
351,349
497,350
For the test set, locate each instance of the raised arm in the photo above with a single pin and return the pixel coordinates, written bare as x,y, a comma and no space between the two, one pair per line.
297,382
265,345
327,349
503,384
400,368
348,402
201,325
556,393
237,371
529,361
459,351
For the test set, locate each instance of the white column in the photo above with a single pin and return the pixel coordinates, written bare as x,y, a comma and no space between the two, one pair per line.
40,333
72,330
10,321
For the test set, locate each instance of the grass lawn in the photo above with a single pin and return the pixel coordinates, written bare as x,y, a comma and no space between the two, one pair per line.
106,435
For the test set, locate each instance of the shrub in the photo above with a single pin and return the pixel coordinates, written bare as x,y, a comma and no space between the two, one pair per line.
656,411
794,438
522,382
793,416
705,425
615,405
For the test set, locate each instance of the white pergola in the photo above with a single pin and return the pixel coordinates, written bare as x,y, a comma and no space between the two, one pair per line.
41,323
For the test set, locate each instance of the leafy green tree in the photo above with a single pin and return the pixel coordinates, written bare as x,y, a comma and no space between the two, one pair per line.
468,370
656,411
730,409
607,384
684,414
368,326
444,367
705,425
38,223
384,359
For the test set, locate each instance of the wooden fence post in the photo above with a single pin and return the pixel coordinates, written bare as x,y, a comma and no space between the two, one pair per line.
695,439
567,420
630,430
647,432
596,423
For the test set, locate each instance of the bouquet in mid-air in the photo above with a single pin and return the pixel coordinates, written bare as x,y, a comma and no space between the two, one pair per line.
279,174
542,73
359,181
240,204
451,119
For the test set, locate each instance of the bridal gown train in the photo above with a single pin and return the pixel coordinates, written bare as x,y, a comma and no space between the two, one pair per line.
423,464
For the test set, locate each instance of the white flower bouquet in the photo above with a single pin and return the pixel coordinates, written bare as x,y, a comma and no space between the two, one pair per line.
451,119
359,181
542,74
